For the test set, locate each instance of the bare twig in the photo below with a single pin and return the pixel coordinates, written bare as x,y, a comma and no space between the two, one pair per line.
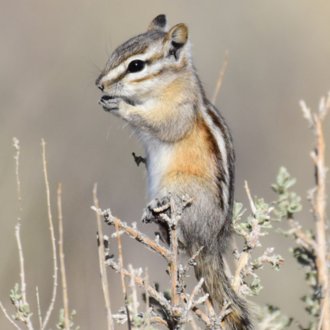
171,310
241,264
225,310
8,317
122,276
148,309
202,316
52,237
18,180
248,193
221,76
321,227
18,231
301,236
134,233
141,283
191,300
191,304
103,270
38,308
18,295
134,296
319,205
26,320
173,264
62,264
244,257
157,320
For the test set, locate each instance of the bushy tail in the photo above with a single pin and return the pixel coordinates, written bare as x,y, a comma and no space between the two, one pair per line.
210,267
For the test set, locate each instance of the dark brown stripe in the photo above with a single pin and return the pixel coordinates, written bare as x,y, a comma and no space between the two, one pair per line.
127,54
150,76
214,150
152,59
172,68
219,122
108,83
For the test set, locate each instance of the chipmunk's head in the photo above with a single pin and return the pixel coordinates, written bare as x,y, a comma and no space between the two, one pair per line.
144,64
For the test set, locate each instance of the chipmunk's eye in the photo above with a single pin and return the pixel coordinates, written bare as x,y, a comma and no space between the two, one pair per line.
136,66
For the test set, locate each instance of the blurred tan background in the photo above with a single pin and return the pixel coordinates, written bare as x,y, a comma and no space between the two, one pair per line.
51,53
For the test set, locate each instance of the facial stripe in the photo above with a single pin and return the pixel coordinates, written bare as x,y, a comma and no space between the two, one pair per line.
157,70
118,72
156,65
116,59
147,77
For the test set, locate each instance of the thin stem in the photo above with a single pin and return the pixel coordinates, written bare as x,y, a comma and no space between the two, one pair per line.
26,320
146,282
38,308
52,237
134,295
134,233
321,227
249,195
174,258
122,276
299,234
199,313
221,76
61,256
318,202
244,257
241,264
194,292
22,272
18,180
141,283
103,269
158,320
8,317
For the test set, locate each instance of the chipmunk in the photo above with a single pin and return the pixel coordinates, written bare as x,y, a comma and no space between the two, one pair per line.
151,83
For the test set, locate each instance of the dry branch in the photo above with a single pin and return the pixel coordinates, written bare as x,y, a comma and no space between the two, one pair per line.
221,76
8,317
62,264
52,236
39,308
103,269
178,311
141,283
318,202
135,234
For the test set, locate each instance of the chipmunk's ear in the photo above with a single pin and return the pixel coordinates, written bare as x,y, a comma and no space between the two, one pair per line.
158,23
176,38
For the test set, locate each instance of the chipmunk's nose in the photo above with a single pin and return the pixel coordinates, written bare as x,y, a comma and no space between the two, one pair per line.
99,83
100,87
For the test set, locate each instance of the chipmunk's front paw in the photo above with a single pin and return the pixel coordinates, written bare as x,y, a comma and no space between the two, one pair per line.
154,210
110,103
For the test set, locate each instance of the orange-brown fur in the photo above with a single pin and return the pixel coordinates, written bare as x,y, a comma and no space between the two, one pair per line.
192,158
169,100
